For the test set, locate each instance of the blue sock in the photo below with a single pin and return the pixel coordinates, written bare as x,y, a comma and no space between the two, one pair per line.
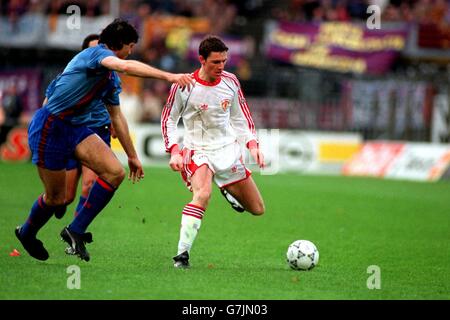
39,215
80,205
99,196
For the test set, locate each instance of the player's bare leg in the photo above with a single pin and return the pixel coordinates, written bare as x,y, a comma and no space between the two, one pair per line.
72,177
95,154
201,183
248,195
192,215
53,180
88,178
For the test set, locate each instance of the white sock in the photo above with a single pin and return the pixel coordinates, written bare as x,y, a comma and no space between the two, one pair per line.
191,221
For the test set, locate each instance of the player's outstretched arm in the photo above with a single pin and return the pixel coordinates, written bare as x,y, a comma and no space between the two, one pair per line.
121,130
139,69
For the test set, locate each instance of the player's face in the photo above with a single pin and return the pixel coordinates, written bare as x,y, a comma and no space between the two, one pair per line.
214,64
125,51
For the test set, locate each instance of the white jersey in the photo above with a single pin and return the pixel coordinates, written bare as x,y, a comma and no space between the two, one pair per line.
214,114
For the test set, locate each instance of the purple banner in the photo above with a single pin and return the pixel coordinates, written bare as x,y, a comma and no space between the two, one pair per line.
27,84
239,49
336,46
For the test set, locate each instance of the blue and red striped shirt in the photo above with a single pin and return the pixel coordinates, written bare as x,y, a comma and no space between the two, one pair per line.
80,93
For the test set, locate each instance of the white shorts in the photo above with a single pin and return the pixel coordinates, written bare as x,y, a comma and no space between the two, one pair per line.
226,164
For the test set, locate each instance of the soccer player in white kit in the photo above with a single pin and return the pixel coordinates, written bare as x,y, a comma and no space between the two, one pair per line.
216,120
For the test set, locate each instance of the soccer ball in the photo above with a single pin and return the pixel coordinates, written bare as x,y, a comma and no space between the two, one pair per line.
302,255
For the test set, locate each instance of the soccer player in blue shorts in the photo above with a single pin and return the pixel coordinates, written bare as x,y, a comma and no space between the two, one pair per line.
101,124
58,132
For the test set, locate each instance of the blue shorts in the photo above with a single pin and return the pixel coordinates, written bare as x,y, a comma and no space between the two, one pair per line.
53,141
104,132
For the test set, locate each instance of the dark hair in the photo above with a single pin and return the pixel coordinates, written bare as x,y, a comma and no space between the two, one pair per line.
118,33
88,39
211,44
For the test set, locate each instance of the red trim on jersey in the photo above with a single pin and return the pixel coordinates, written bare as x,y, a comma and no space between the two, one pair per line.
166,113
242,102
173,146
244,107
204,82
232,77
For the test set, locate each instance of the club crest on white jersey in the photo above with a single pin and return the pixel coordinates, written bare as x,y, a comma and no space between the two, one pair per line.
225,103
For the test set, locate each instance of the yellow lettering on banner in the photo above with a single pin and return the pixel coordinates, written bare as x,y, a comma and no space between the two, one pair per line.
337,151
344,35
351,37
290,40
325,61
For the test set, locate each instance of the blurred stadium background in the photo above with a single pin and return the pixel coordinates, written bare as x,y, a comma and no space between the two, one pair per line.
305,65
330,92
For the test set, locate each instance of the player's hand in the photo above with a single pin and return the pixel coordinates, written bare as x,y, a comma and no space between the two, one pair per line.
184,80
176,162
258,156
136,171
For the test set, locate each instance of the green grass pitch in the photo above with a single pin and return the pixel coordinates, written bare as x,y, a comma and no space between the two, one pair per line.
401,227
